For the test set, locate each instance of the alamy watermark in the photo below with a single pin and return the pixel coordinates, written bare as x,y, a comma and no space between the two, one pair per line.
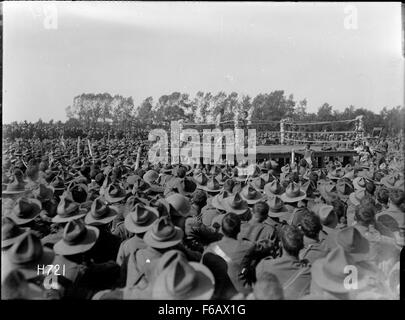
189,146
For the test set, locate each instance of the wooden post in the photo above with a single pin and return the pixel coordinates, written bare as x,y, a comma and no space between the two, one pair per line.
138,157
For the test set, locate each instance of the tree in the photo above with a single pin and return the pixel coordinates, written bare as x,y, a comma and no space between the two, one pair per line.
273,106
325,113
300,111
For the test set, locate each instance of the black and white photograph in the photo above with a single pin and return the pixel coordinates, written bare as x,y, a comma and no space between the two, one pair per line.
215,151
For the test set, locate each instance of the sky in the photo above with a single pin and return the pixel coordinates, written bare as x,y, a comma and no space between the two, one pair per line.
340,53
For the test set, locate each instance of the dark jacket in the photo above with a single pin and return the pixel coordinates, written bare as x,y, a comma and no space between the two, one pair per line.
293,274
224,258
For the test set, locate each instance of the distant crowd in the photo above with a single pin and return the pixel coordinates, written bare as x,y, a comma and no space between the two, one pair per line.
120,227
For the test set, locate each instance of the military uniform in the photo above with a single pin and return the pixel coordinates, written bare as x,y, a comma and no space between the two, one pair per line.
106,247
224,259
330,236
208,213
351,209
294,275
126,248
52,238
393,218
313,249
255,231
140,265
121,231
82,281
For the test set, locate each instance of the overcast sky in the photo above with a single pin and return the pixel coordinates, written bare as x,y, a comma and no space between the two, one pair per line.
151,49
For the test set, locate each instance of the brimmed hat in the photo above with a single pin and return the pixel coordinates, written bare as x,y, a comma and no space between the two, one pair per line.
67,209
250,194
328,191
17,186
151,177
336,174
27,253
258,183
276,207
348,168
221,178
77,238
79,191
115,193
101,212
293,193
163,234
141,218
389,181
329,273
218,200
324,212
180,204
274,188
344,189
132,179
356,196
286,169
10,232
359,183
235,203
309,187
184,280
140,186
58,184
200,179
153,270
25,210
167,168
212,185
43,193
189,186
268,177
351,240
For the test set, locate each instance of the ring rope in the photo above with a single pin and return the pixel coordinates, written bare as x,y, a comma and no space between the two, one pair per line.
321,132
315,123
325,141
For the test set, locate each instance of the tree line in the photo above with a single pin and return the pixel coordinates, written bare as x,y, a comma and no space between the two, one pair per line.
105,110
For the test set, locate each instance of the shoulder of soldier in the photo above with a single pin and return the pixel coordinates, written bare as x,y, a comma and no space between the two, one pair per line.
305,264
211,247
264,265
245,244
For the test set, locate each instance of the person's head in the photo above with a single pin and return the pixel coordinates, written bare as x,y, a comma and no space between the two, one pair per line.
310,225
43,166
303,163
382,195
85,171
246,216
397,198
308,146
268,287
14,286
229,185
294,177
199,198
260,211
313,176
231,225
339,208
32,172
292,240
367,200
370,187
365,214
181,172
